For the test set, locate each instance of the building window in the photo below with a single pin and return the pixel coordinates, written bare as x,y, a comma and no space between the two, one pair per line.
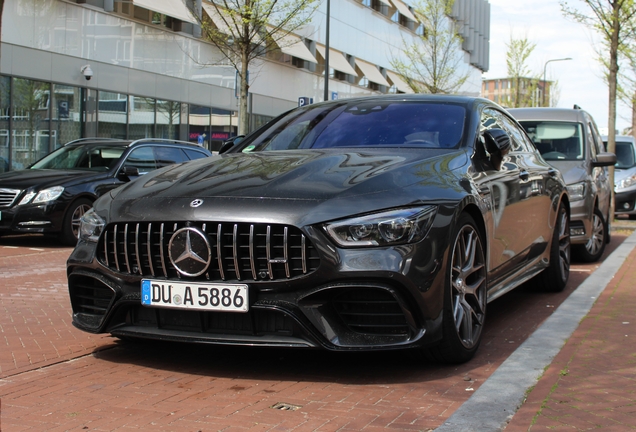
141,117
112,115
30,120
168,115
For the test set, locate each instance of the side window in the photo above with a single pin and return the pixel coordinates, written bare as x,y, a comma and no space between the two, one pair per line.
599,145
142,158
493,119
195,154
169,155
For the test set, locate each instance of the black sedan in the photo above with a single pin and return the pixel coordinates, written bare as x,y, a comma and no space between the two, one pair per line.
360,224
52,194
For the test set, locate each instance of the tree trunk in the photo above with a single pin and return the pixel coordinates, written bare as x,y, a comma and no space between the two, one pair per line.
613,75
634,115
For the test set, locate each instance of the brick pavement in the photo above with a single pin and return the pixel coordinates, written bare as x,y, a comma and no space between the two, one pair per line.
90,382
35,326
591,383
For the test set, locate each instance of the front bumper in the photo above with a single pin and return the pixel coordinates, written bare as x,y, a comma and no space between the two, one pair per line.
43,218
580,221
625,202
355,299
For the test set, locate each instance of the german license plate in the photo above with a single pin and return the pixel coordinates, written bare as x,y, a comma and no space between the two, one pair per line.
186,295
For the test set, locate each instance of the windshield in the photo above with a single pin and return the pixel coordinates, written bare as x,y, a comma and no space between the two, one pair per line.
624,155
100,158
556,140
364,124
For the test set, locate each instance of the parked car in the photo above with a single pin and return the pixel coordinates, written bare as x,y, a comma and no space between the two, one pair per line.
358,224
569,140
625,176
51,195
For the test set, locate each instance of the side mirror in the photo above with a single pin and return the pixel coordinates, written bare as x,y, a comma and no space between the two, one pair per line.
129,171
604,159
497,141
228,144
498,144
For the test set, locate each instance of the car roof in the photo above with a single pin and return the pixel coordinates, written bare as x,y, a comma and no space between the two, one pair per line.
130,143
549,114
410,97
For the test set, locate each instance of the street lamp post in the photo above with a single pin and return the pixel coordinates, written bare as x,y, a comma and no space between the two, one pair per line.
544,69
326,95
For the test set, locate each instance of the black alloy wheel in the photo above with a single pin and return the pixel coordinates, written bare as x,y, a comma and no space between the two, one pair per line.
465,295
593,249
555,277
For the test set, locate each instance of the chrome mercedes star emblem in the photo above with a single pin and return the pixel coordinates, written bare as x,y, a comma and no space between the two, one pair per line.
196,203
189,251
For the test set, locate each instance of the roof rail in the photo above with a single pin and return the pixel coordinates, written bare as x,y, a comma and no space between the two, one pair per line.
91,139
164,140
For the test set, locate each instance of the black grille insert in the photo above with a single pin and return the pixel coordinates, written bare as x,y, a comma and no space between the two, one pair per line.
89,295
371,311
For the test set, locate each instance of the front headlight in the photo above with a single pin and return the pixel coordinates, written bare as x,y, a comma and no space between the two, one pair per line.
576,191
383,229
45,195
626,182
91,226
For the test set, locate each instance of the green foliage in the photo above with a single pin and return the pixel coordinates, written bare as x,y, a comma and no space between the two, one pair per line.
523,91
244,30
434,62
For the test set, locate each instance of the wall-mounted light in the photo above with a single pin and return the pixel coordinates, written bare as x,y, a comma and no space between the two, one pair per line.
87,72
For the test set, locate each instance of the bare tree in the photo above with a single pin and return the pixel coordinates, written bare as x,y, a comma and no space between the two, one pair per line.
244,30
614,20
523,83
434,62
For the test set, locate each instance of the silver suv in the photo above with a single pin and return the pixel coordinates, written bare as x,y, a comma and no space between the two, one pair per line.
625,176
568,139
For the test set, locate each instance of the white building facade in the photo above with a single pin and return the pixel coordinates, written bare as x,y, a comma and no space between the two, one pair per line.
135,69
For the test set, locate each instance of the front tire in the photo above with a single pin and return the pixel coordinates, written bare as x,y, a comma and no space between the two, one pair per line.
465,295
555,277
70,229
592,250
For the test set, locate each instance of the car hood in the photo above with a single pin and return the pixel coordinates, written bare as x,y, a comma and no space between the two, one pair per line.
620,174
300,187
572,171
43,178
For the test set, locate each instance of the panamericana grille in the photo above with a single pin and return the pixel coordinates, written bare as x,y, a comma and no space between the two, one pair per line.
240,251
8,196
371,311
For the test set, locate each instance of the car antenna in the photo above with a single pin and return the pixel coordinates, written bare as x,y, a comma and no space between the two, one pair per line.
576,106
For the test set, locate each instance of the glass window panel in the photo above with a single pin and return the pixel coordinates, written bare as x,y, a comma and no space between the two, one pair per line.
112,115
168,155
30,128
168,119
221,128
141,123
5,87
142,158
66,119
199,125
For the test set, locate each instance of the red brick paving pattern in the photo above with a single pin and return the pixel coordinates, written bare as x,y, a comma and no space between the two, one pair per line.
35,328
54,377
591,384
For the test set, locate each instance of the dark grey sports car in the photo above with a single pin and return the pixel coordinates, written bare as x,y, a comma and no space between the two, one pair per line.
359,224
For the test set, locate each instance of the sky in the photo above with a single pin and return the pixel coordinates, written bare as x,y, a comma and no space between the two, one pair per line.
542,22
